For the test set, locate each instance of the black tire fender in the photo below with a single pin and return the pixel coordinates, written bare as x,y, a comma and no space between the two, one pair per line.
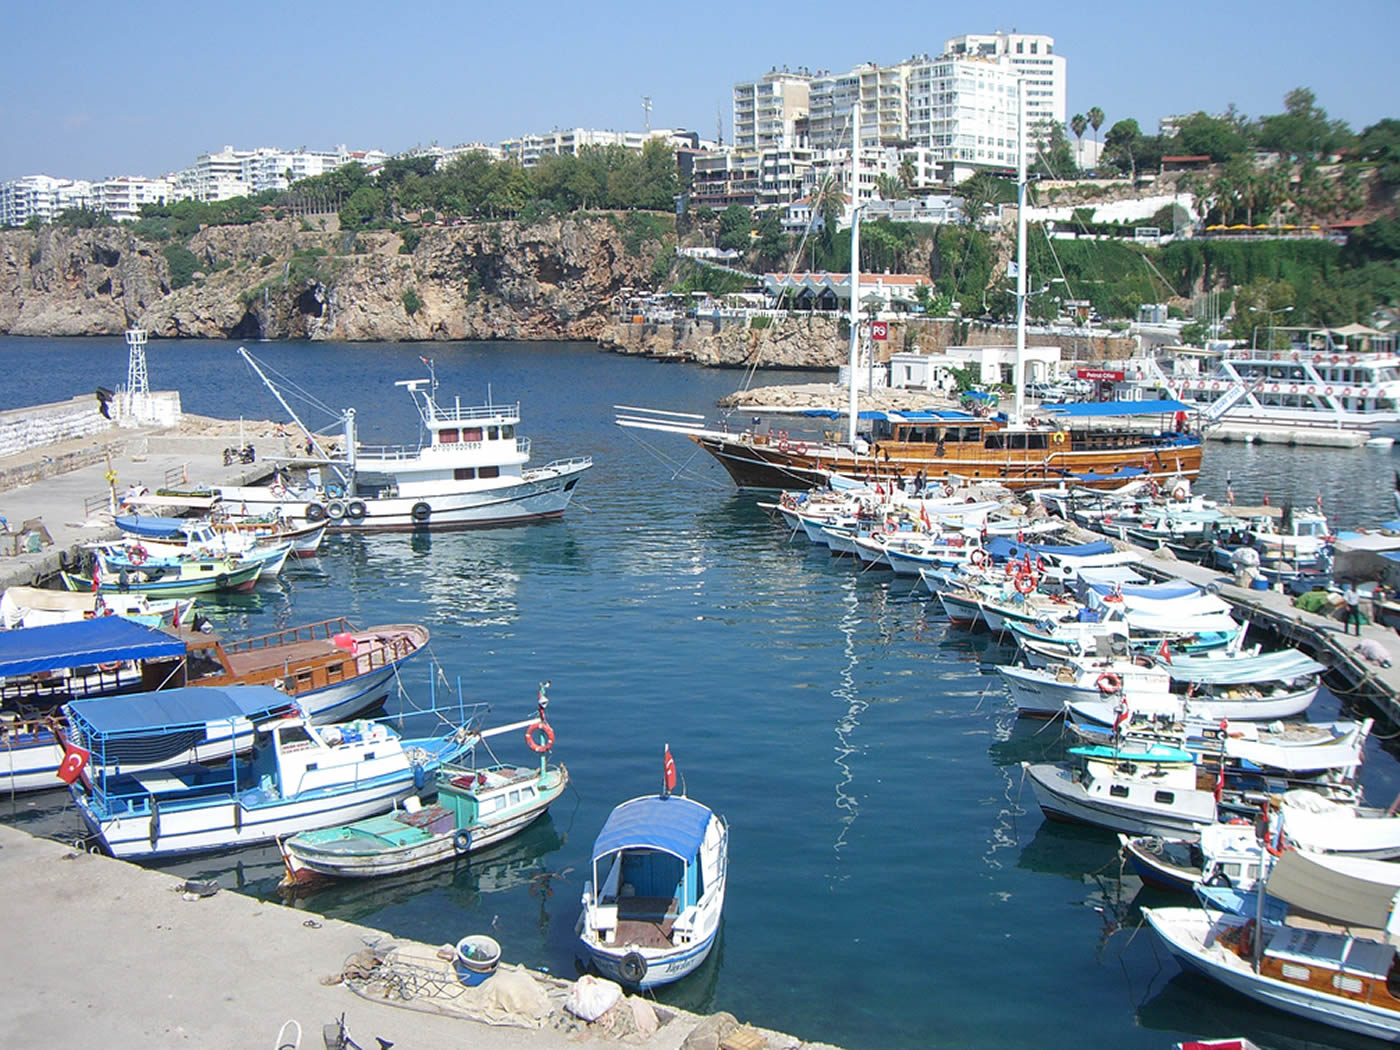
421,512
356,510
462,840
315,512
632,968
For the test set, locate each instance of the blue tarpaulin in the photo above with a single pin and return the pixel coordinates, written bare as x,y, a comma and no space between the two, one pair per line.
1003,549
97,641
1090,409
674,825
153,527
185,708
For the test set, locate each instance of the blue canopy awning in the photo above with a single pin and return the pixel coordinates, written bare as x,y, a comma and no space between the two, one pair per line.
97,641
1092,409
172,709
152,527
1003,549
674,825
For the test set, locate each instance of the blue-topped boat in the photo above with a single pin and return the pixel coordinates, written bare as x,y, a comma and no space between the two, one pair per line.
299,776
652,905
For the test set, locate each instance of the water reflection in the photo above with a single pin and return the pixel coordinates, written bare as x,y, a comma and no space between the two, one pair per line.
848,720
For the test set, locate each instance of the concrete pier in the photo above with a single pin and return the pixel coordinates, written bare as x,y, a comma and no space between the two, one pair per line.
106,953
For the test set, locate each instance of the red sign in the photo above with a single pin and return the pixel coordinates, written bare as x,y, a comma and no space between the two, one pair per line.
879,330
1099,374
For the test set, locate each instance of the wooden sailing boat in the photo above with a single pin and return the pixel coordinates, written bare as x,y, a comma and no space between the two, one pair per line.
1068,444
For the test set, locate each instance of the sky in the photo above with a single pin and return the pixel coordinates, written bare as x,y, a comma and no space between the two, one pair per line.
92,90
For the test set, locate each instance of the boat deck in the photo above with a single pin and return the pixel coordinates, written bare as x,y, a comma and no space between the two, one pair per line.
646,921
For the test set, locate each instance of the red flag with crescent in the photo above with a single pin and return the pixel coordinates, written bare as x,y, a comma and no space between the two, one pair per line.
923,516
75,760
1165,652
669,769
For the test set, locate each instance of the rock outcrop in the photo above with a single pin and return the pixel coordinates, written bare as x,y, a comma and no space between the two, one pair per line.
553,279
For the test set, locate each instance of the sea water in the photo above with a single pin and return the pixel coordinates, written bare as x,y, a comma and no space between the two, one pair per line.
892,882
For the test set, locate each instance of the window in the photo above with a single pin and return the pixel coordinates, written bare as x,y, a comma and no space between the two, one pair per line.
1164,797
464,474
448,437
471,434
1118,791
490,472
493,433
1294,972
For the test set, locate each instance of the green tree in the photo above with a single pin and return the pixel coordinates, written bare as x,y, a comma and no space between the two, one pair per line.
1201,135
735,228
771,247
1380,144
183,264
1303,130
907,173
890,188
411,302
1079,124
1263,304
1054,159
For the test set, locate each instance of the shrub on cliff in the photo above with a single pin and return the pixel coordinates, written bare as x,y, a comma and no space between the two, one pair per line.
183,264
411,302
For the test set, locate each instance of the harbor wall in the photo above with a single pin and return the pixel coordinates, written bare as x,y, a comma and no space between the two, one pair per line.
816,340
22,429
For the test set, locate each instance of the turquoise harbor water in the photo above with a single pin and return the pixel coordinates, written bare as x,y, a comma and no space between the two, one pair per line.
892,882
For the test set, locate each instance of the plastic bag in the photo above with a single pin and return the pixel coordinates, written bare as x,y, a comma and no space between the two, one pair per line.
591,997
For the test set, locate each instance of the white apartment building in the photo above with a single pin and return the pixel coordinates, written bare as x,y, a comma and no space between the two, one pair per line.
241,173
41,196
771,112
962,116
764,179
881,91
1033,57
122,197
528,149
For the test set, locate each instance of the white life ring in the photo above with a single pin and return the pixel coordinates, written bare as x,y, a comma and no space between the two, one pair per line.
1215,385
1346,391
1276,388
1328,391
1312,389
1293,389
279,490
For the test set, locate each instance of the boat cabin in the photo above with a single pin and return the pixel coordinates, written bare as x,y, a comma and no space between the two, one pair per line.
1331,963
481,795
291,756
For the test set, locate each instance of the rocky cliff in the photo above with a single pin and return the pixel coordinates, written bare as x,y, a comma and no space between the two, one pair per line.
550,280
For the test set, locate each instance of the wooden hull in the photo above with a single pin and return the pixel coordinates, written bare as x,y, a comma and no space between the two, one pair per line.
760,465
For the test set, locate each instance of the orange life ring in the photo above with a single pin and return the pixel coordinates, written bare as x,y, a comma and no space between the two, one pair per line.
1180,492
535,743
1113,597
978,557
783,445
1275,851
137,555
800,448
1108,682
1025,582
113,665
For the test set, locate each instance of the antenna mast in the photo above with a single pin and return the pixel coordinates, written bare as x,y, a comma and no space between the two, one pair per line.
646,110
138,390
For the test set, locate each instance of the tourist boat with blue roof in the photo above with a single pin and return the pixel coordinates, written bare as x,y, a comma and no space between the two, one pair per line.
300,776
655,893
471,472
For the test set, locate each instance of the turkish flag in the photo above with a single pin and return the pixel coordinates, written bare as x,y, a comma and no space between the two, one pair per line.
669,769
1122,717
75,760
1164,651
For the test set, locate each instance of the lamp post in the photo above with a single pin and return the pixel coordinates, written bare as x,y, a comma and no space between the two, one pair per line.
1254,336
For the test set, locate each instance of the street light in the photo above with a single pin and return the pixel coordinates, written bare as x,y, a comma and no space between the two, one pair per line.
1254,336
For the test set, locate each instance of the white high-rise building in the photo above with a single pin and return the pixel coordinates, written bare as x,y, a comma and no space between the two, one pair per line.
883,110
528,149
241,173
771,112
122,197
1033,57
42,197
963,115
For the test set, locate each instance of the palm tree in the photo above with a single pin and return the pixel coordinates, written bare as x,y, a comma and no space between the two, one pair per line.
1079,124
890,188
1096,121
907,174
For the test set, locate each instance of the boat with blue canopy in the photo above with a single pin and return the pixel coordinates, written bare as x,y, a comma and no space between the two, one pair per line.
655,893
299,777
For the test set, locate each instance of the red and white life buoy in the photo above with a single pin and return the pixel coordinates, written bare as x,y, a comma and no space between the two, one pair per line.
1295,355
1026,582
1336,360
1293,389
1312,389
978,557
1351,360
1216,385
1180,492
1346,391
137,555
1327,391
1276,388
800,447
1108,682
539,737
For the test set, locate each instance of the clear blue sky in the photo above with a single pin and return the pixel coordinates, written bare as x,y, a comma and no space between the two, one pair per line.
89,90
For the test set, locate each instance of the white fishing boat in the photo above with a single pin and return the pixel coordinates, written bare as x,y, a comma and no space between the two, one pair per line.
1332,977
477,805
300,776
472,471
655,893
22,606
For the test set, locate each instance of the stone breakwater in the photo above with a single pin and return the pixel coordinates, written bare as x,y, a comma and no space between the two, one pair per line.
551,280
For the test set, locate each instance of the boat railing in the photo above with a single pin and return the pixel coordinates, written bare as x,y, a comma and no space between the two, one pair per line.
460,414
307,633
572,463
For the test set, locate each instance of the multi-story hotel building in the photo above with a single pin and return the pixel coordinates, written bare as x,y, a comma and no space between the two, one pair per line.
42,197
122,197
528,149
1033,57
771,112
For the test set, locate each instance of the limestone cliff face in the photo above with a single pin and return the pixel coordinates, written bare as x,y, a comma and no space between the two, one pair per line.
550,280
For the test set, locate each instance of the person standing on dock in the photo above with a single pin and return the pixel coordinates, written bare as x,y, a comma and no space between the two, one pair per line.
1353,613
